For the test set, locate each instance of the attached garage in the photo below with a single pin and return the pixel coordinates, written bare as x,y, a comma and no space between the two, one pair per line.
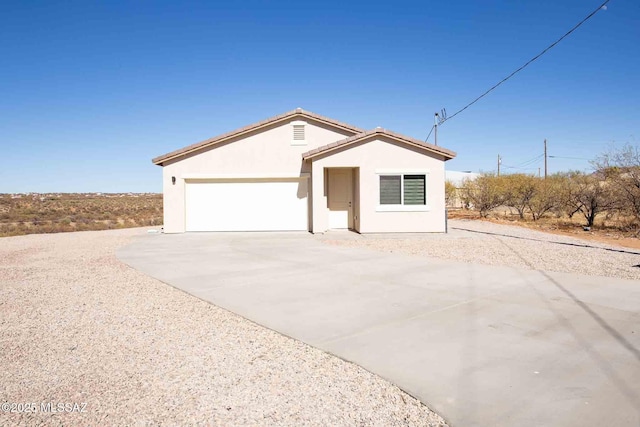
246,205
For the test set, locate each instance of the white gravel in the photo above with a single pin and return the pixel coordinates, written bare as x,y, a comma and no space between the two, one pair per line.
497,244
78,326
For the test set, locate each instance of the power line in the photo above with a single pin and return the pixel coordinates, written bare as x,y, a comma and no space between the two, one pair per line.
573,158
528,62
427,138
530,161
526,163
521,169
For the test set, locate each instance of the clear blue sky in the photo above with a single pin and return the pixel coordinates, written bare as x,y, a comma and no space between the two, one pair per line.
91,91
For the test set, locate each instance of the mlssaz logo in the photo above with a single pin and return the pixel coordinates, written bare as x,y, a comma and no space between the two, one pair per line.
54,407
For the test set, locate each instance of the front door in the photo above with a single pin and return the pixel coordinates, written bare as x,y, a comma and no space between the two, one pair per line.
340,198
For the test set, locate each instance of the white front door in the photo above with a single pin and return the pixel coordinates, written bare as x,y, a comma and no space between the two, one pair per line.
340,198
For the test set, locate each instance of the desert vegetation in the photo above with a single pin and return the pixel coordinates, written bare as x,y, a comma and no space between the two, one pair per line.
608,197
59,212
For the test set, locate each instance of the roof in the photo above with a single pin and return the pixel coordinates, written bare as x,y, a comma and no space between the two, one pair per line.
298,113
448,154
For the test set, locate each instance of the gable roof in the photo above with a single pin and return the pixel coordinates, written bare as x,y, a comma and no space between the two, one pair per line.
297,113
447,154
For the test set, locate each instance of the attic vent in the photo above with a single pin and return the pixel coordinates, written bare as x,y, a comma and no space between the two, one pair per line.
298,130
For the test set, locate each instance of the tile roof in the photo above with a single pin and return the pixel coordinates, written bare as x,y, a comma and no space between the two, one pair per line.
448,154
298,112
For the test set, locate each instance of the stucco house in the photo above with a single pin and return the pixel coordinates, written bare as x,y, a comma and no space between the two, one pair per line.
303,171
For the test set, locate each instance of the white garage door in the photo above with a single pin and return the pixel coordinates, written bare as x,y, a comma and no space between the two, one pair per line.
242,205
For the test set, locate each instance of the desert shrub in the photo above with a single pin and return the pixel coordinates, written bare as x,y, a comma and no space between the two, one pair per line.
550,195
621,169
518,191
450,193
485,193
52,213
590,195
563,193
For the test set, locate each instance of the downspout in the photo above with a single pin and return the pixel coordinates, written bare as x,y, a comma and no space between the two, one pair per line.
446,220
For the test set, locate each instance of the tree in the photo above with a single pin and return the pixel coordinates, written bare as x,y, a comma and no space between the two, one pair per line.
450,193
519,190
548,195
484,193
621,167
590,195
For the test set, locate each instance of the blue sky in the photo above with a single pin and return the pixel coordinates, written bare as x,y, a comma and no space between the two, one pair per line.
91,91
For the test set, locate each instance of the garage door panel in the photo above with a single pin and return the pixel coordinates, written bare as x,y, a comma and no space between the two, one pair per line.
246,206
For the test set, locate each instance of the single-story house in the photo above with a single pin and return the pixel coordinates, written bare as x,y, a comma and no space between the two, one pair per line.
302,171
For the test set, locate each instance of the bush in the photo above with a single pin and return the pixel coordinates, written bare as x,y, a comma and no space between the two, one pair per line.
549,195
485,193
518,191
450,193
567,194
53,213
590,195
621,169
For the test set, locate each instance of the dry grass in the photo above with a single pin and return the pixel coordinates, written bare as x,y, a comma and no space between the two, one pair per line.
61,212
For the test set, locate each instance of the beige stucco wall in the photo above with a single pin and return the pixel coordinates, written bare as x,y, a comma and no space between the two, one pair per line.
382,154
266,153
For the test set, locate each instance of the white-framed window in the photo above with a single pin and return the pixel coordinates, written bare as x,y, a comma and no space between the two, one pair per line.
298,132
402,191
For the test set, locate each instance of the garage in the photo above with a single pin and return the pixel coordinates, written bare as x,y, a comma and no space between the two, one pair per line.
246,205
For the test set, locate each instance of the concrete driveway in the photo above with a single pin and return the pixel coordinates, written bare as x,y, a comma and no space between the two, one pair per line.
480,345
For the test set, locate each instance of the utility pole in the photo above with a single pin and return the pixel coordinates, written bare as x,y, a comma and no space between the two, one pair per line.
545,159
499,161
435,129
538,172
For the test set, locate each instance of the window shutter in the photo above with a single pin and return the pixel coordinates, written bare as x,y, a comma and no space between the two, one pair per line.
390,190
414,191
298,132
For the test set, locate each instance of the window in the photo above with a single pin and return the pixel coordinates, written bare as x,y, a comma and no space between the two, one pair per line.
414,190
390,190
402,192
298,133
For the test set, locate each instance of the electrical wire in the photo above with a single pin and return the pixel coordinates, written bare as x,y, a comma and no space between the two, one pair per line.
427,138
521,169
524,165
572,158
528,62
529,166
530,161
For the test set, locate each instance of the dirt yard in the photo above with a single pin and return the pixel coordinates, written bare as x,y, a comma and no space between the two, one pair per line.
79,327
611,232
492,243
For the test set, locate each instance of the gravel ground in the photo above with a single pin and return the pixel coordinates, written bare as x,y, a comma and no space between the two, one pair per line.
78,326
497,244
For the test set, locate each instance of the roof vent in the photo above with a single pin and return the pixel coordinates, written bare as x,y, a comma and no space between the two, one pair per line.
298,132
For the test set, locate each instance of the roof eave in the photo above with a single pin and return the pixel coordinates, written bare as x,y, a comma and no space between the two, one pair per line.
447,154
159,160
